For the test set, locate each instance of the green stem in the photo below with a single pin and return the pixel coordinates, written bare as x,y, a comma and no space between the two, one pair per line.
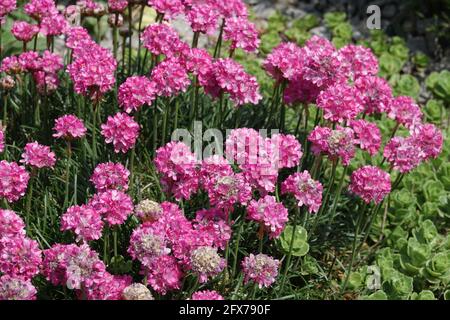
219,40
291,246
130,27
114,37
236,248
69,157
141,15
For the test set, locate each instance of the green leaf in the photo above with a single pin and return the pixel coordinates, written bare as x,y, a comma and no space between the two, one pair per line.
120,265
300,246
377,295
423,295
389,65
334,18
405,85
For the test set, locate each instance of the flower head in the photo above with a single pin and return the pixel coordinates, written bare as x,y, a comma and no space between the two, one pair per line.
11,224
110,175
53,25
146,243
340,102
206,262
360,61
203,18
261,269
405,111
429,139
84,221
206,295
170,8
13,181
37,155
24,31
69,127
402,153
137,291
170,78
160,38
122,131
284,62
242,34
370,183
270,213
16,288
367,134
148,211
375,92
135,92
164,274
117,6
114,205
20,256
306,190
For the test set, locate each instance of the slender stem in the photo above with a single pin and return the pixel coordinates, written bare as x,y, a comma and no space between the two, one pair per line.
177,110
291,246
236,248
219,40
69,158
115,242
155,126
114,36
338,193
141,15
5,110
130,28
195,39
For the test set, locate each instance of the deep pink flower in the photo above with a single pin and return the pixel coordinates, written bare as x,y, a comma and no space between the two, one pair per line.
340,102
37,155
206,295
300,90
135,92
199,62
367,135
53,25
13,181
11,65
405,111
370,183
170,8
19,256
160,38
114,205
306,190
261,269
242,34
337,144
360,61
287,149
55,262
402,153
107,287
117,6
24,31
178,168
231,8
84,221
110,175
164,274
203,17
30,61
122,131
270,213
69,127
78,38
284,62
46,83
11,224
429,139
212,227
16,288
51,62
6,6
38,9
375,92
170,78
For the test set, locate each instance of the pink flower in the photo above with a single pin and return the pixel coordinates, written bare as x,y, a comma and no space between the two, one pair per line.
147,243
170,78
137,291
206,295
375,93
13,181
300,90
242,34
206,263
405,111
360,61
288,150
337,144
39,9
53,25
284,62
306,190
232,79
46,83
16,288
402,153
178,168
93,68
78,38
114,205
69,127
270,213
7,6
261,269
55,262
148,210
19,256
429,139
164,275
11,224
51,62
368,135
213,227
11,65
107,287
203,18
24,31
84,221
110,175
199,62
30,61
340,102
135,92
2,139
160,38
122,131
117,6
231,8
37,155
370,183
170,8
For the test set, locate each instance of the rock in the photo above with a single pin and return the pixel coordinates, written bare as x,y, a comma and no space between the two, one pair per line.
417,44
321,31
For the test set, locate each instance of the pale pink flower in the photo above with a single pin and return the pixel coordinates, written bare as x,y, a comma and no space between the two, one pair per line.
122,131
370,183
206,263
261,269
37,155
164,274
306,190
20,256
147,243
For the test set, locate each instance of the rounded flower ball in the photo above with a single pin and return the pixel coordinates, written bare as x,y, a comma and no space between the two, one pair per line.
206,295
38,156
110,175
114,205
137,291
69,127
206,262
24,31
270,213
13,181
122,131
135,92
148,210
370,183
16,288
306,190
261,269
84,221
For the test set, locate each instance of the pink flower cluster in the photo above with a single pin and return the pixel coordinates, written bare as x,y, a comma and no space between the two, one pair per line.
160,38
261,269
84,221
13,181
270,213
114,205
370,183
110,175
135,92
69,127
169,8
24,31
20,258
6,6
122,131
170,78
203,17
367,135
306,190
340,102
38,156
206,295
242,34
